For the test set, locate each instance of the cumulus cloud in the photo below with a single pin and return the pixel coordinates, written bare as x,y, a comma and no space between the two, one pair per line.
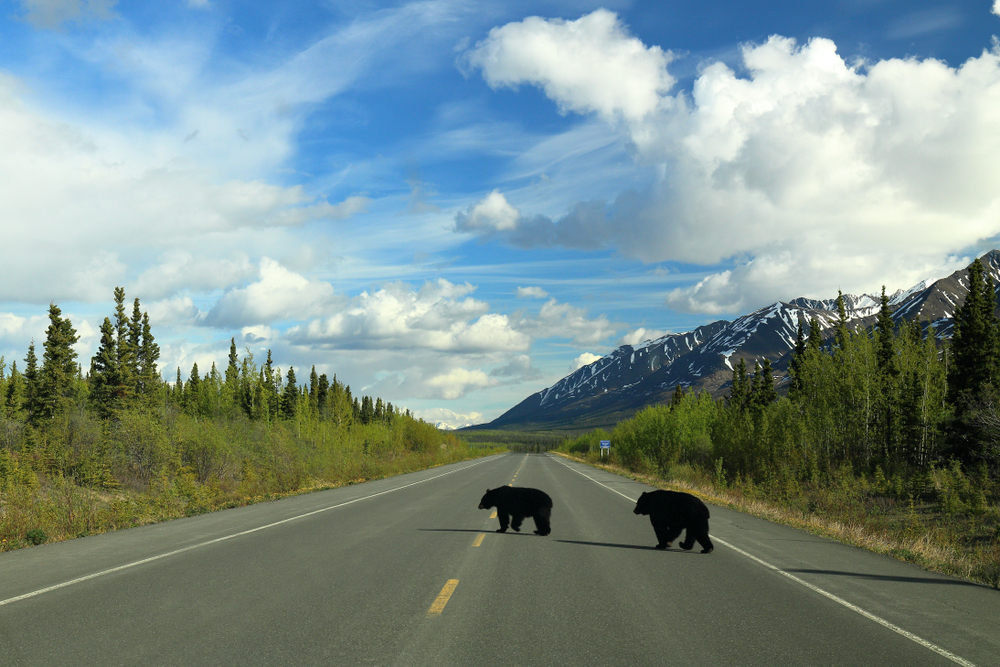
439,316
457,382
641,335
492,214
449,417
587,65
584,359
519,368
531,293
562,320
996,7
801,170
278,294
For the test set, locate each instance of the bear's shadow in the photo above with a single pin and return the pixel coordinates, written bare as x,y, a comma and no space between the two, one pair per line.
613,545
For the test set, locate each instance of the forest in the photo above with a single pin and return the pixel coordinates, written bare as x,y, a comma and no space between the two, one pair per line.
888,437
86,449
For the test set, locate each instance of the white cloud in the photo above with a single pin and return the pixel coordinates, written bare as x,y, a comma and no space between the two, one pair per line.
457,382
996,7
279,294
641,335
584,359
519,368
492,214
590,64
807,171
439,316
531,293
449,417
101,197
562,320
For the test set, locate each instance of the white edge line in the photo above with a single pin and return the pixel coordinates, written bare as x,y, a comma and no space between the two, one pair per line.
112,570
816,589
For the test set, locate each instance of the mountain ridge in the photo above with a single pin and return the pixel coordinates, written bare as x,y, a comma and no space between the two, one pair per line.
631,377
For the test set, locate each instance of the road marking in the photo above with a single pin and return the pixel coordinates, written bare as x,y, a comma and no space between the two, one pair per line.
494,515
442,598
958,660
224,538
518,470
479,539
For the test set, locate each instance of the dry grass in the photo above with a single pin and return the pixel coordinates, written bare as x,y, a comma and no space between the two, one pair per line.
61,510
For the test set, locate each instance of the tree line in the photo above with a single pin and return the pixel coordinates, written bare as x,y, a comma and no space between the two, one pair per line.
898,399
124,375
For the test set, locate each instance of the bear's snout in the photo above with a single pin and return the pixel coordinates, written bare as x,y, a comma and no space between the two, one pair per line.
481,506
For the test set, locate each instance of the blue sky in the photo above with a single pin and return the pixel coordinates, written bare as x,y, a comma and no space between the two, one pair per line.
452,205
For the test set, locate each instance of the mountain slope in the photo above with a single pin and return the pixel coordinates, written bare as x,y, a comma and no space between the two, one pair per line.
631,377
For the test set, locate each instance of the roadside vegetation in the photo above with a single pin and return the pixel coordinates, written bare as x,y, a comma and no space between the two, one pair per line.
84,451
889,439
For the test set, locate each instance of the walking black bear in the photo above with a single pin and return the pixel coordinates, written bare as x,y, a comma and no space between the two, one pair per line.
670,512
513,503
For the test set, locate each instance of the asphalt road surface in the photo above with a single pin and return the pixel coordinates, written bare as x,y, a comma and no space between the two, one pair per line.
407,571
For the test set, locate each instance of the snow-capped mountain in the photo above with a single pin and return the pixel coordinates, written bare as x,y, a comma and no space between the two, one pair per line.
629,378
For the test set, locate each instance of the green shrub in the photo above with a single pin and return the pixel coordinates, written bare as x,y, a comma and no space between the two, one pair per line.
36,536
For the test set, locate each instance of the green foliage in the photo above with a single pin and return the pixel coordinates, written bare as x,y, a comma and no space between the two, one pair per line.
36,536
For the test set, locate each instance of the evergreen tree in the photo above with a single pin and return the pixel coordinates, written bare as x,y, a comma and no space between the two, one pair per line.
15,392
739,392
841,332
149,353
322,395
795,364
885,337
313,391
32,385
971,341
678,396
233,370
57,386
764,392
192,391
106,387
123,348
290,396
178,393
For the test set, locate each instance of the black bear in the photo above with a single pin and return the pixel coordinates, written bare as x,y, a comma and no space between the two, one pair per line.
670,512
513,503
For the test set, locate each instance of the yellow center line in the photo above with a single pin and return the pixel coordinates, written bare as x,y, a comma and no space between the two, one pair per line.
479,539
442,598
494,515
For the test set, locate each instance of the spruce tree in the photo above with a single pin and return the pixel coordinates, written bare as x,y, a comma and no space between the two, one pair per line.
106,388
57,386
15,393
233,369
739,391
123,348
841,332
32,385
764,392
149,354
677,397
290,396
322,395
795,364
973,342
885,339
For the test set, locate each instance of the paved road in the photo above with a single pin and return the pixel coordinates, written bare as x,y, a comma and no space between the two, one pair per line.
406,571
